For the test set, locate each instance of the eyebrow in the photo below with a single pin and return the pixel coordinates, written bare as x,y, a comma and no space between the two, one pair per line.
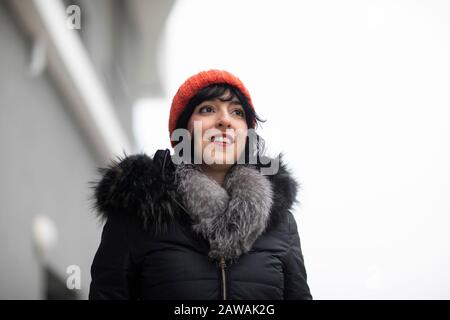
232,101
236,102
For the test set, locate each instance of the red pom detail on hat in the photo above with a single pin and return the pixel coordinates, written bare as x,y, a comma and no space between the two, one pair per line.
194,84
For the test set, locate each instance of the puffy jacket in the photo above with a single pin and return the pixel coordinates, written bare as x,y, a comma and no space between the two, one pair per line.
151,246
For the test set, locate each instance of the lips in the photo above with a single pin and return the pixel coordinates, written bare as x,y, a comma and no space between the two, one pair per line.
223,138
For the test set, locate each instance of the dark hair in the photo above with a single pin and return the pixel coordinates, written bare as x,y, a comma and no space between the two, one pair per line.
255,147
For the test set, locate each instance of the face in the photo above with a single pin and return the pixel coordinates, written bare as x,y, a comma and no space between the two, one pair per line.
219,129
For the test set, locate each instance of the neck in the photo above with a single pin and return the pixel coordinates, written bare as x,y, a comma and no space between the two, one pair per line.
216,172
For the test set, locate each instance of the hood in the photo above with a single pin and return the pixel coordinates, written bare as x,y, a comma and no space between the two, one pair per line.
139,186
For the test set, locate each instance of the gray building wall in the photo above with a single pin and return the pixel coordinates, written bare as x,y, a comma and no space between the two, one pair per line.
106,32
47,157
44,168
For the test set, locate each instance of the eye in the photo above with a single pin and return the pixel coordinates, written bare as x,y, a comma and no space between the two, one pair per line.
240,112
205,109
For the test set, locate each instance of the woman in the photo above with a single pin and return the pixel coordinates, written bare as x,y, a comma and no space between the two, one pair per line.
204,223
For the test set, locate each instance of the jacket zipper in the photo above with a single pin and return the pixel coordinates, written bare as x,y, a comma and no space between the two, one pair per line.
222,265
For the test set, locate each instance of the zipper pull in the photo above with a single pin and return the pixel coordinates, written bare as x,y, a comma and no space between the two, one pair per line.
222,262
224,285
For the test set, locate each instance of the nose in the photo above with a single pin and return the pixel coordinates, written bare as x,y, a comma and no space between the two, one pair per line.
224,120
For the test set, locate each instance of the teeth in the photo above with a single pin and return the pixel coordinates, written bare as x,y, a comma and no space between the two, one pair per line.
221,139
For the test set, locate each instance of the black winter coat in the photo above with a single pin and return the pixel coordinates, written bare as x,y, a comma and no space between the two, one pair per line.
149,249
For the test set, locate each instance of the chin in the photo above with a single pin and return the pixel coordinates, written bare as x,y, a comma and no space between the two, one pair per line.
218,162
220,157
226,159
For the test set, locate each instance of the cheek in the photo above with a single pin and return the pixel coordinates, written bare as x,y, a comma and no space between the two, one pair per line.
197,127
241,134
190,124
193,124
241,138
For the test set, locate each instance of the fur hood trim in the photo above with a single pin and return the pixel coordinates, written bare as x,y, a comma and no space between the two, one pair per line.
140,186
231,217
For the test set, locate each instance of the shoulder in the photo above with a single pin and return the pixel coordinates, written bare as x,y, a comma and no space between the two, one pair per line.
285,189
132,185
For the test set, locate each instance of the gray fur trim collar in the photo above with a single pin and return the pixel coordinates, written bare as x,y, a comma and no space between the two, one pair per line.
231,217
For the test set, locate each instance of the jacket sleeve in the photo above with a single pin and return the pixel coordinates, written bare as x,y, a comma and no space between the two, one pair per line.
128,196
295,283
113,272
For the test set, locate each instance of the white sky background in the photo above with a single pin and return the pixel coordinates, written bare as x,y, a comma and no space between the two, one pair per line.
357,95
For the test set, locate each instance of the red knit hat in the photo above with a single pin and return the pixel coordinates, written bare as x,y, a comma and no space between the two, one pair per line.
194,84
